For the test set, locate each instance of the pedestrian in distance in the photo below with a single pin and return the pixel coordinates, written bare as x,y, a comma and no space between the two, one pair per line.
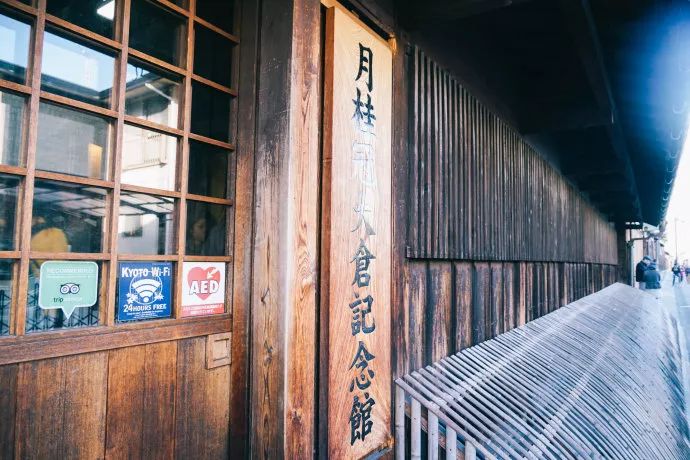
652,280
640,268
677,275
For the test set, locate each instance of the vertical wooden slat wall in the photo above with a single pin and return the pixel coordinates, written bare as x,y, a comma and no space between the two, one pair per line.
478,191
491,236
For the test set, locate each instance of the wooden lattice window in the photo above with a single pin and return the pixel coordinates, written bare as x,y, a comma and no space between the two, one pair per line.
116,145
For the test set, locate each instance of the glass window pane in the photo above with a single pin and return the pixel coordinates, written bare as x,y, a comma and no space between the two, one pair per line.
212,56
210,112
217,12
206,229
9,186
208,170
95,15
156,31
14,48
39,319
72,142
5,295
77,71
11,120
148,158
67,217
151,95
145,225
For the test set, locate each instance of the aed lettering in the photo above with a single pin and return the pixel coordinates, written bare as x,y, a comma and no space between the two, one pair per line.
204,287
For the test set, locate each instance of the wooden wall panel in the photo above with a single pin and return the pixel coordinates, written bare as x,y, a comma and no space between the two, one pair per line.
149,401
141,401
416,300
478,191
61,407
8,405
201,404
509,299
497,306
463,305
481,298
439,328
451,306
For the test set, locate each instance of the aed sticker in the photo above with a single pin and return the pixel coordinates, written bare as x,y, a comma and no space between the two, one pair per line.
67,285
203,288
144,290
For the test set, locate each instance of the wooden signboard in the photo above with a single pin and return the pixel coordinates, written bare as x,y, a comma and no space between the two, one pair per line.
357,235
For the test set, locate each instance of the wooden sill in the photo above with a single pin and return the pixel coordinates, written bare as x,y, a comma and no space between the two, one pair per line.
42,345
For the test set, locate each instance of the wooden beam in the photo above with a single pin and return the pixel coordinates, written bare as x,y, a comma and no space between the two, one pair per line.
584,31
286,218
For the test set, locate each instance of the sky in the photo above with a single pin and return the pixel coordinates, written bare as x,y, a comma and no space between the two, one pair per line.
678,215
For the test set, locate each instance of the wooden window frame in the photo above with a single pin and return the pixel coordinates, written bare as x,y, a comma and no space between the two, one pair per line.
19,346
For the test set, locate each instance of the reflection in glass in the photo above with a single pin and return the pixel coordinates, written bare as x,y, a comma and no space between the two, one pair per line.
156,31
151,95
72,142
38,319
5,295
206,229
208,170
145,225
8,210
77,71
67,218
210,112
217,12
14,49
95,15
11,117
212,55
148,158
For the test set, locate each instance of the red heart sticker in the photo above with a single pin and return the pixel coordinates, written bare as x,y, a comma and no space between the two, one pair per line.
203,282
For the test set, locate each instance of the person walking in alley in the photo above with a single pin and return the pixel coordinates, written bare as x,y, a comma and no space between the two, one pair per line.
676,270
640,269
652,280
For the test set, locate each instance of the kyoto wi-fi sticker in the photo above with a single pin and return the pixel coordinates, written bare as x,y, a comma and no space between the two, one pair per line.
144,290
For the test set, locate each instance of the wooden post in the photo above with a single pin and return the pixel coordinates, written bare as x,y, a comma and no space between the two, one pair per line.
286,215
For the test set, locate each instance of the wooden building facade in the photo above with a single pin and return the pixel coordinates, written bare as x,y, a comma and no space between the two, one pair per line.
477,231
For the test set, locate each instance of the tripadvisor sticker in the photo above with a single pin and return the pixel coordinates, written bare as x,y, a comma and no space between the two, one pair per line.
67,285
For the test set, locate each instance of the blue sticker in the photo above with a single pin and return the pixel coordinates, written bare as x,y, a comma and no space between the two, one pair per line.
144,290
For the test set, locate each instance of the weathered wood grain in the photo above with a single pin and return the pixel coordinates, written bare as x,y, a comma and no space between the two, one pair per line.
202,413
8,406
141,401
416,301
125,416
243,221
439,330
463,305
61,407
